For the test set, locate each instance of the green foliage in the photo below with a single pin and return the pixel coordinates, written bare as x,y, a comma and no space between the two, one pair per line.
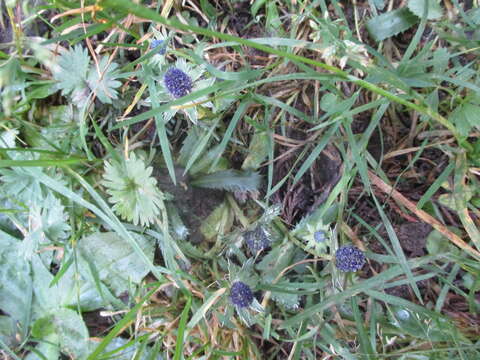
78,78
114,241
431,8
391,23
133,190
113,261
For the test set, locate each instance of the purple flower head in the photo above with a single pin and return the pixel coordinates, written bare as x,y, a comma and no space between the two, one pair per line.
349,258
159,45
320,236
240,294
257,239
177,82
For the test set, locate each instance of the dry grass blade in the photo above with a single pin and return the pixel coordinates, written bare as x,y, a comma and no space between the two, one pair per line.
410,205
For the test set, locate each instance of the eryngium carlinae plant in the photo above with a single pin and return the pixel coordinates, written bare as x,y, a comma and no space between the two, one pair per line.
160,45
179,80
240,298
314,232
133,190
258,236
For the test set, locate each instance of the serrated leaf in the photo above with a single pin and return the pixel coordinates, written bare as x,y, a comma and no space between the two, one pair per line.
230,180
434,10
102,80
391,23
133,190
116,264
465,117
73,68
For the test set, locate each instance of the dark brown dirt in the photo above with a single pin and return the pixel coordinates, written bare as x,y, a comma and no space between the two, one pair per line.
193,204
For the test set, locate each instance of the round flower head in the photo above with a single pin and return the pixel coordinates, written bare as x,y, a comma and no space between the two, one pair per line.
257,239
240,294
159,45
177,82
320,236
349,258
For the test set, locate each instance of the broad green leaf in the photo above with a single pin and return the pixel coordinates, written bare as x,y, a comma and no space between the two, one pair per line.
433,9
8,330
391,23
218,222
275,261
15,285
257,151
114,260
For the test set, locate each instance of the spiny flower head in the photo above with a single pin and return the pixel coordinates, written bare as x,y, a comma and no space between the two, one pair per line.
177,82
320,236
349,258
257,239
240,294
159,45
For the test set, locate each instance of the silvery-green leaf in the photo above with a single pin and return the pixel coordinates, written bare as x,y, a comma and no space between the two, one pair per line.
275,261
68,291
8,330
115,261
48,347
15,286
434,10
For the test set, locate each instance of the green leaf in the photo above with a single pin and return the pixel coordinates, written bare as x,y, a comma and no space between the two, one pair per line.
218,222
288,300
114,260
133,190
15,285
230,180
432,7
72,332
257,151
391,23
465,117
73,67
102,81
275,261
421,325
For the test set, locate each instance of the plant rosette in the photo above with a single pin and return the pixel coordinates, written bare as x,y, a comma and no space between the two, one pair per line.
178,81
